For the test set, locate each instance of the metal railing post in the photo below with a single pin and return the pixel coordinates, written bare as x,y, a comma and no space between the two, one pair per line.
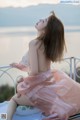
71,67
74,69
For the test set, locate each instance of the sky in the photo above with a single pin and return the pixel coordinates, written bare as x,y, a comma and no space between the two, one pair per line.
24,3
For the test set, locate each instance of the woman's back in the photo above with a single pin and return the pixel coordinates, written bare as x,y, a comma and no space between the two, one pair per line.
38,61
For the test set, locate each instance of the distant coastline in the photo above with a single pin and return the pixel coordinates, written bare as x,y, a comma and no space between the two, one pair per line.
30,30
70,1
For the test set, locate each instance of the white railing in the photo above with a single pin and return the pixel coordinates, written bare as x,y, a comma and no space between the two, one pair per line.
5,70
72,62
74,66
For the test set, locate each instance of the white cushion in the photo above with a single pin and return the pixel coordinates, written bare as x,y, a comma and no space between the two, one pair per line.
27,110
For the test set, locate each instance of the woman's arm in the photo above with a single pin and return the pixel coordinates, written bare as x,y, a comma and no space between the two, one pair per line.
19,66
33,54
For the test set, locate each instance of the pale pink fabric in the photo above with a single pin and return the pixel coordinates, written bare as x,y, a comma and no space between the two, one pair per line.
53,92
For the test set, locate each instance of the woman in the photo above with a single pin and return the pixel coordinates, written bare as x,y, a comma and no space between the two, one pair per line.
52,91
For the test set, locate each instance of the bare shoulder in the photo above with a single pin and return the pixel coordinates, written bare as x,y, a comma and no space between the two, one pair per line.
34,43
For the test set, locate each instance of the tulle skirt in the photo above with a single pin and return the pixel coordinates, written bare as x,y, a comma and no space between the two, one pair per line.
53,91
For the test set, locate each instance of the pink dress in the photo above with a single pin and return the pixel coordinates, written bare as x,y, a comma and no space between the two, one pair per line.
54,92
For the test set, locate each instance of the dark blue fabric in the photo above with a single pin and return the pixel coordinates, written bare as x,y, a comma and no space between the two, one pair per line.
74,116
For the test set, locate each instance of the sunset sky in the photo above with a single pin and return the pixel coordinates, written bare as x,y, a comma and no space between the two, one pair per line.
24,3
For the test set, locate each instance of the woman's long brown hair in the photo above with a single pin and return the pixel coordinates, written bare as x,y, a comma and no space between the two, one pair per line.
53,39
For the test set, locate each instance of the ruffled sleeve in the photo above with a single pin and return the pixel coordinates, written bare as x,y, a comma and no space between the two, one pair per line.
25,60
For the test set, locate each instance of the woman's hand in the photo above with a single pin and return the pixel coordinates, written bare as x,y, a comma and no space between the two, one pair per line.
19,66
16,65
20,80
